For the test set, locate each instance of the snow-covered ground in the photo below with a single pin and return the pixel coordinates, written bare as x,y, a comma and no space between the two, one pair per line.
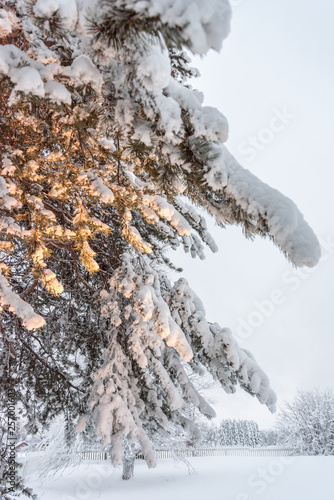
221,478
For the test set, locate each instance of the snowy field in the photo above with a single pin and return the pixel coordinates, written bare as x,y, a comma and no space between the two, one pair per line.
221,478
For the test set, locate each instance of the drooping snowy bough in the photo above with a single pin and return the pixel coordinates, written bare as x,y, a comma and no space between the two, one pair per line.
106,152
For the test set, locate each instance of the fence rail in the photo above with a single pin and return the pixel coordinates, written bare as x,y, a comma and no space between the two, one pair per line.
216,452
35,461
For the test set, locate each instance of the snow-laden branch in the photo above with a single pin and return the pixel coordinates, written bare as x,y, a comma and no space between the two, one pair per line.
265,206
19,307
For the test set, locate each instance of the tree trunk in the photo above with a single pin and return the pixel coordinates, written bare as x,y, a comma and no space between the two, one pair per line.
128,466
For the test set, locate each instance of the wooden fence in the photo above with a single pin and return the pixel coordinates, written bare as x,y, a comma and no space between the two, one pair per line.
217,452
34,461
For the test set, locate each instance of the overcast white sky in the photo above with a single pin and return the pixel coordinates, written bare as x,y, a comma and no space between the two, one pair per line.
278,59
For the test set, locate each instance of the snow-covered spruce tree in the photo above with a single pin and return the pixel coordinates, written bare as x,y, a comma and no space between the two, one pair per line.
253,434
105,153
233,433
307,422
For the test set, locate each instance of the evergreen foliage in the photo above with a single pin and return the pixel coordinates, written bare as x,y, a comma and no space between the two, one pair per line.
234,433
105,152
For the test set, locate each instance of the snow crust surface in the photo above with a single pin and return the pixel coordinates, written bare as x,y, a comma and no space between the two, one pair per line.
223,478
